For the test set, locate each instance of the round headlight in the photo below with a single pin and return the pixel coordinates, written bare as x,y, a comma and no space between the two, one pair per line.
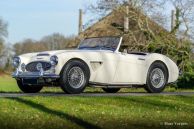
54,60
23,67
39,66
16,61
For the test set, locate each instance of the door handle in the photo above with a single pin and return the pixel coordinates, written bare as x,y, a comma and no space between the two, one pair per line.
141,59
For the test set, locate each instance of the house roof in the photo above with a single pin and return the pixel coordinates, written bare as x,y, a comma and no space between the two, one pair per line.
113,25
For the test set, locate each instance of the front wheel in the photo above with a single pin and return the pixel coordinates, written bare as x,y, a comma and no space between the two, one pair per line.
157,78
74,77
29,88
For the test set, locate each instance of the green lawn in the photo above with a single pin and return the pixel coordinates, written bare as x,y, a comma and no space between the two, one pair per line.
93,112
8,84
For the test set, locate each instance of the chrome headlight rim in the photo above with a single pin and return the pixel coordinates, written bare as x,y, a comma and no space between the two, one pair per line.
16,61
54,60
39,66
23,67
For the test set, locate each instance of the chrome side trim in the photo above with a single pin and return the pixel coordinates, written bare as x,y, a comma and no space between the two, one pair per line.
104,85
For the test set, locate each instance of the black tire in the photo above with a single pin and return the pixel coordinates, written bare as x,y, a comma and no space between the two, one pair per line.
66,82
111,90
29,88
149,87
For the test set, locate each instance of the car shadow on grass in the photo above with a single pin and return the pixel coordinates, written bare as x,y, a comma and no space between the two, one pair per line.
59,114
157,103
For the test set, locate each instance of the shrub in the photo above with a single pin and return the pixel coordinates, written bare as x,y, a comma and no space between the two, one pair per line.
180,52
186,81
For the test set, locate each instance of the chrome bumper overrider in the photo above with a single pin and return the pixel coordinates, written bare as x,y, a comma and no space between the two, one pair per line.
41,74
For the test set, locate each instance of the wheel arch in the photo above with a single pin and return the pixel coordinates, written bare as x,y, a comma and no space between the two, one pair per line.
76,59
159,61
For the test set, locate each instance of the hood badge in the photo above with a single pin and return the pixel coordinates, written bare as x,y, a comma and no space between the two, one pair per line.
39,58
43,54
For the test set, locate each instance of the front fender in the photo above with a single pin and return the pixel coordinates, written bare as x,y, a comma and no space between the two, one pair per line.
65,57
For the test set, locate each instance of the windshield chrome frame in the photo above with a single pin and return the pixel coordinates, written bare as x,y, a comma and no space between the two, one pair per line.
119,45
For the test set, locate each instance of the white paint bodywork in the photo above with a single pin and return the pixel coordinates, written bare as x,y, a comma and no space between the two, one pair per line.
107,67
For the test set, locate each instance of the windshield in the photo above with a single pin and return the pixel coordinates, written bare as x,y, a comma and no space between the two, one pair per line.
105,43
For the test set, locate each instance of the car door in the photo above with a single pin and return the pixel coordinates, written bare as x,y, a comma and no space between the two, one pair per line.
105,71
129,69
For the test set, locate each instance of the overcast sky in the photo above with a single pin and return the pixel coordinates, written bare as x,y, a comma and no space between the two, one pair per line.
37,18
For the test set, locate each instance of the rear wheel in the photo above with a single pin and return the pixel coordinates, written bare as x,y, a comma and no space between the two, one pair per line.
29,88
111,90
74,77
157,78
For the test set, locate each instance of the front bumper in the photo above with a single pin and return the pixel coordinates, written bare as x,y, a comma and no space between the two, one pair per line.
34,75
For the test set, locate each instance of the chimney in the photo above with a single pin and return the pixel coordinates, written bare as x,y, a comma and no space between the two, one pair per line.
173,20
126,19
80,21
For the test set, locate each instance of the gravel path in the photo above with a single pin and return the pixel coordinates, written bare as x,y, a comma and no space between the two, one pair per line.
94,94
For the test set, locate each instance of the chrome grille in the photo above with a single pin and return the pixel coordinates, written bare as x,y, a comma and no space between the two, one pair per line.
31,67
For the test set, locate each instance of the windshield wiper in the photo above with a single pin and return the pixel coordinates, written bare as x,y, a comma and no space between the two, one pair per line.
108,48
98,47
87,47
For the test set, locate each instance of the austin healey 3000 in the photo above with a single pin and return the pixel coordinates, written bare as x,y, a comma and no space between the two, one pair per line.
99,62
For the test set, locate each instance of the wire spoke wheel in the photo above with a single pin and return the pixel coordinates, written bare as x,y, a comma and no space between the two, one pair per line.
76,77
157,78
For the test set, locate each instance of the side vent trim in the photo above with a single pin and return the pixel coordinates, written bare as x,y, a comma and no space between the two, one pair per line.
96,65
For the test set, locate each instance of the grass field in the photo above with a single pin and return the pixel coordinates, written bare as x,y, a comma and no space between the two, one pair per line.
94,112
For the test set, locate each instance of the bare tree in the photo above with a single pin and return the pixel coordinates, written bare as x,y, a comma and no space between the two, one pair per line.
3,34
1,48
56,41
141,11
149,7
185,9
5,60
4,51
3,29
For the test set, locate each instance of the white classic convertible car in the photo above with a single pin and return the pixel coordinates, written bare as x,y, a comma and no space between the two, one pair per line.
99,62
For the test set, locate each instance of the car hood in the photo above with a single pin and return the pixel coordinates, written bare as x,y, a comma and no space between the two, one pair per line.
44,53
56,52
47,54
